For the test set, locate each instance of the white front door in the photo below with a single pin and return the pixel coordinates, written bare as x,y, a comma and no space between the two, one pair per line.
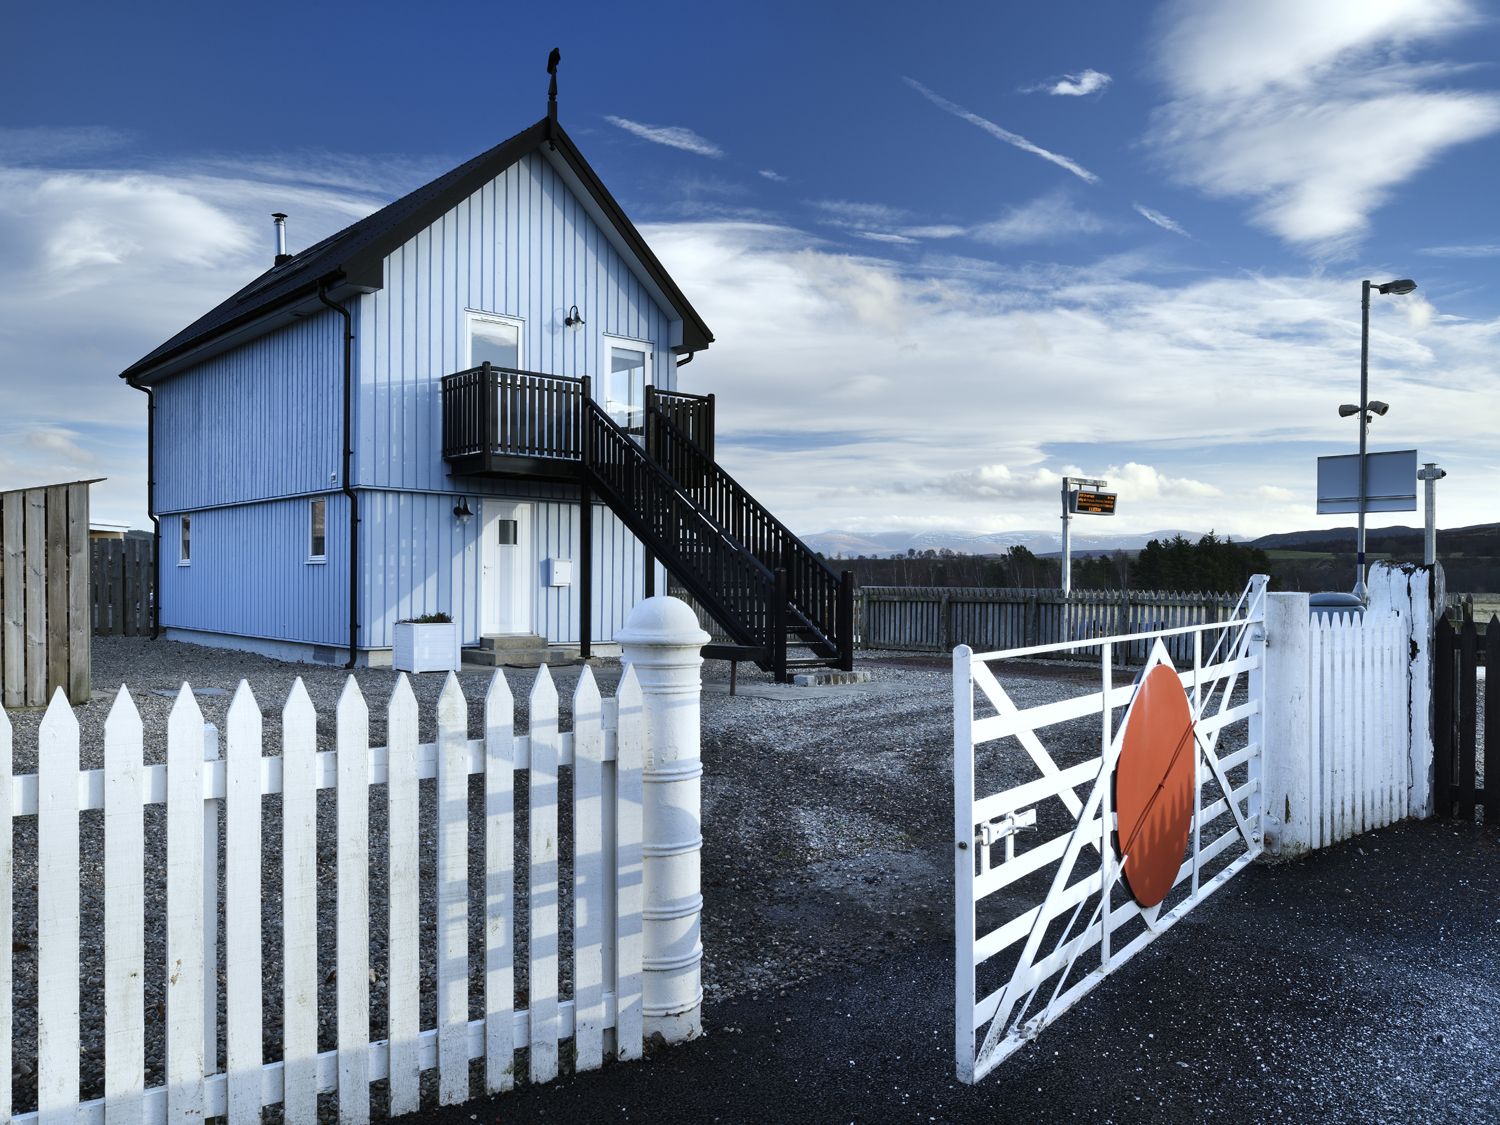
506,578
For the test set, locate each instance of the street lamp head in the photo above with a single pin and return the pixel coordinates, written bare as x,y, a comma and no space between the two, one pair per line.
1400,286
1348,409
1378,407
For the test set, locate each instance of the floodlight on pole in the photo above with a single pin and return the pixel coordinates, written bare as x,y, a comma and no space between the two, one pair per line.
1400,286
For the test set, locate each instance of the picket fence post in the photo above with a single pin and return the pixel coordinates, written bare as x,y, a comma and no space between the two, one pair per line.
662,642
1288,743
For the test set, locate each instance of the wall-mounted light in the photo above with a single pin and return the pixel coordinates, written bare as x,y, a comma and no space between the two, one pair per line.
462,512
574,318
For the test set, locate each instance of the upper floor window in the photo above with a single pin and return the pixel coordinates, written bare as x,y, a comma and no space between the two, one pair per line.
494,339
185,552
624,391
317,530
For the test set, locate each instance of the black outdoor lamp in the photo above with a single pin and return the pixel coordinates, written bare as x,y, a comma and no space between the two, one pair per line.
462,512
1366,408
574,317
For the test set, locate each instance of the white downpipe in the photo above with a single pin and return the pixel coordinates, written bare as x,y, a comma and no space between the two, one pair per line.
662,641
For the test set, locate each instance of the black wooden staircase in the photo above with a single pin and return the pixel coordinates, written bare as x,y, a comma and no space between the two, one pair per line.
775,600
767,590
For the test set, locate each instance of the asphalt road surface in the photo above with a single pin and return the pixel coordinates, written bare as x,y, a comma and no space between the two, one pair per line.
1362,984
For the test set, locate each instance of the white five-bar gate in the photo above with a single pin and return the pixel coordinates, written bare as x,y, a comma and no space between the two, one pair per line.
1042,913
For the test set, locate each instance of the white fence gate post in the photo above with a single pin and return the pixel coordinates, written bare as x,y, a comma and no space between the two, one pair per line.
1415,595
1288,750
661,641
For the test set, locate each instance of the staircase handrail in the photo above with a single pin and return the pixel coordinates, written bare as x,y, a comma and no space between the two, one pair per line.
692,517
825,622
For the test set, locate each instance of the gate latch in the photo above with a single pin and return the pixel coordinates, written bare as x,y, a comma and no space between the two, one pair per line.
998,829
1004,828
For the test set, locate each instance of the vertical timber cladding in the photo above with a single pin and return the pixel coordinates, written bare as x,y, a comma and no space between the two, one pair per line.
45,603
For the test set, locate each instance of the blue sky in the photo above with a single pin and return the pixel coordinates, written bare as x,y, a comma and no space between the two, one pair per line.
948,257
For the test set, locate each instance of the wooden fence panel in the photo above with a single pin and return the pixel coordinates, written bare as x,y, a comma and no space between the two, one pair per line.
935,619
123,586
80,629
36,597
44,594
12,600
1460,743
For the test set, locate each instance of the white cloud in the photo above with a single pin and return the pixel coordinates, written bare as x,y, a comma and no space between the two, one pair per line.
1311,111
879,222
673,136
1078,85
926,370
886,236
1165,222
1050,218
774,176
1469,250
1188,397
1000,133
29,144
97,267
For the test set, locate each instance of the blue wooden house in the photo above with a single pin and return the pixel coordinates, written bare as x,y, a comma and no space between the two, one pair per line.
465,403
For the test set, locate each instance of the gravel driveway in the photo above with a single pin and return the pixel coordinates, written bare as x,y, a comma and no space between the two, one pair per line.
826,823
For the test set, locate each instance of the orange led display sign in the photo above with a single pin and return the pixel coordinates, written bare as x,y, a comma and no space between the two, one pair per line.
1093,503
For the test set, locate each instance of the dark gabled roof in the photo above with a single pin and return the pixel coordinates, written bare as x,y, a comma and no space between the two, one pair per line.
356,254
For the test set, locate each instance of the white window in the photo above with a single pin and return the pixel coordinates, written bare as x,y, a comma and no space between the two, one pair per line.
185,554
317,531
623,394
493,339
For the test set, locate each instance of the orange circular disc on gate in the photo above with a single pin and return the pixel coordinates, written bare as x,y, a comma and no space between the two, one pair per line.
1154,786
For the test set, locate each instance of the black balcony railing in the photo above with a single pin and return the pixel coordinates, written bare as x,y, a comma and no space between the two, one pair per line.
497,411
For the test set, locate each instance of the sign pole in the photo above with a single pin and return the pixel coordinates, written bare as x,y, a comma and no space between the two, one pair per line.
1089,503
1364,429
1431,474
1067,540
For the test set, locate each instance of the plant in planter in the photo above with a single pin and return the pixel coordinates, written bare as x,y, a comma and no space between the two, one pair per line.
426,644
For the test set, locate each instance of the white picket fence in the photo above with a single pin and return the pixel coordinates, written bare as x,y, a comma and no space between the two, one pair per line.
1358,677
602,1015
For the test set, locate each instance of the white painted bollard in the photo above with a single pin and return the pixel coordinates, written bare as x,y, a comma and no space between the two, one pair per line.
1287,749
662,641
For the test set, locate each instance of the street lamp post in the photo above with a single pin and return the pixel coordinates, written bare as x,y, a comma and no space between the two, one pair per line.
1400,286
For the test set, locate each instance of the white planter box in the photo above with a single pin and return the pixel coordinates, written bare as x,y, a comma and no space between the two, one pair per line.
425,648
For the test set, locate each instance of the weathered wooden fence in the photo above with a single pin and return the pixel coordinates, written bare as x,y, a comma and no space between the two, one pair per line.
937,618
44,594
122,586
1466,767
580,909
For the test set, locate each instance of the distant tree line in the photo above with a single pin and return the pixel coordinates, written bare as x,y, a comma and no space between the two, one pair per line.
1210,564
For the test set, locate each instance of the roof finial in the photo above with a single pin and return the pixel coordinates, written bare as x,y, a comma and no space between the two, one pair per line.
552,60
